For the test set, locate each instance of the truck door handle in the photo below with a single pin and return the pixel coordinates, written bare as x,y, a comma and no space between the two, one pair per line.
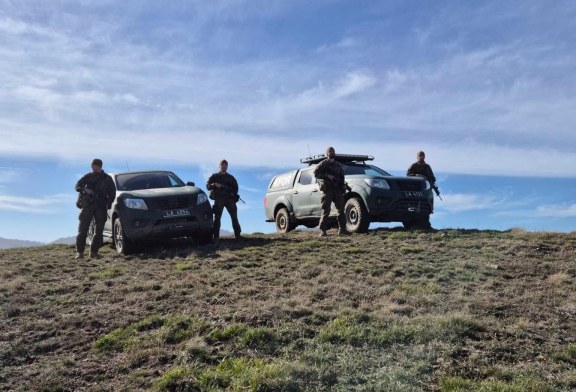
295,192
314,190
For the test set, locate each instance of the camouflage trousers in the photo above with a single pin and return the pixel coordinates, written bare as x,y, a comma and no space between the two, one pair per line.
86,215
330,196
232,209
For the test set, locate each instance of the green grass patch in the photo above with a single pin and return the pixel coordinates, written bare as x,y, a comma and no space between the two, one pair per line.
356,332
567,354
222,334
167,330
411,249
232,374
174,380
109,273
185,266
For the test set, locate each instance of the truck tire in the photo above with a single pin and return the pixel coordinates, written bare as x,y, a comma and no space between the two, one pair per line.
357,219
283,224
121,242
91,231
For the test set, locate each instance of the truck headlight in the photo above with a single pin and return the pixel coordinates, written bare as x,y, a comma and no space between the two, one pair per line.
377,183
137,204
202,198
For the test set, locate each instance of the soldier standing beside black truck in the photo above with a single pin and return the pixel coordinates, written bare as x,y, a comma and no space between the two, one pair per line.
96,195
333,187
223,189
421,168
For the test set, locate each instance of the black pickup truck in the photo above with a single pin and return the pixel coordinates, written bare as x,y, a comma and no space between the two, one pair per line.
293,198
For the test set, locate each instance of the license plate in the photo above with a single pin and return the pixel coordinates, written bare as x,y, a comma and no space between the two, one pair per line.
413,194
176,212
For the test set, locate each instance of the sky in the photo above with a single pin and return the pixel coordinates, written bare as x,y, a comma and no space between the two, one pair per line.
487,89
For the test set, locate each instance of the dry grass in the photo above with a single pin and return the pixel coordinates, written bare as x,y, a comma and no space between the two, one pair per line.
393,310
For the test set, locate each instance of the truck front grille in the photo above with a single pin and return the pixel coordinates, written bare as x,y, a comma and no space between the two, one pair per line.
411,185
169,203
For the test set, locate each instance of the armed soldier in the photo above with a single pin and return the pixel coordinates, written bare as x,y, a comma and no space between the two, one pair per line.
421,168
223,189
333,188
97,192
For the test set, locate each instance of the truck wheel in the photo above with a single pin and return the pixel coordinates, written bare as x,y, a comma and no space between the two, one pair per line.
283,224
121,242
357,219
91,231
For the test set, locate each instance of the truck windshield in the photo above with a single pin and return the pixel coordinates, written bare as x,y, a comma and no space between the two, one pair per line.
152,180
367,170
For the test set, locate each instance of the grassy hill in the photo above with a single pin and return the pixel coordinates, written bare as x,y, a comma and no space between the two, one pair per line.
387,311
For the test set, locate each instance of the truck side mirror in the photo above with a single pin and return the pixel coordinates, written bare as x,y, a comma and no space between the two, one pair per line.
190,183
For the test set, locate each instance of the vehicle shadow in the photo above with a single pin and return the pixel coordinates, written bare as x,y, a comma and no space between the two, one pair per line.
186,247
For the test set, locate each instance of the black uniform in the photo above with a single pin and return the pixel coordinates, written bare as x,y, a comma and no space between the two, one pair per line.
94,206
224,197
422,169
332,191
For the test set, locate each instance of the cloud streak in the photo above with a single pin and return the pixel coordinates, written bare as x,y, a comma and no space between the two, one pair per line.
44,205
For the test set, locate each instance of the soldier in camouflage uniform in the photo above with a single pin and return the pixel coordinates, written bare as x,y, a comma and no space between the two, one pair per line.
421,168
223,189
333,188
97,192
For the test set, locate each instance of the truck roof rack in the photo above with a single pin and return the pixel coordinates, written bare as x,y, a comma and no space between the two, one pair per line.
338,157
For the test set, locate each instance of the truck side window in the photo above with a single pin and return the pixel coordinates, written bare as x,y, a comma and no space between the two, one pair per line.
305,177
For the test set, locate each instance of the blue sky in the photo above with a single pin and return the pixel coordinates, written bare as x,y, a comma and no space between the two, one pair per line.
486,88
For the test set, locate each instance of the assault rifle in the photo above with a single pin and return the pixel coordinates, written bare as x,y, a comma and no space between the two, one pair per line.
230,191
436,190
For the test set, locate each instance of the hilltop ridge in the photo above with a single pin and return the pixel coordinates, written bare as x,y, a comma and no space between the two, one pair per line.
390,310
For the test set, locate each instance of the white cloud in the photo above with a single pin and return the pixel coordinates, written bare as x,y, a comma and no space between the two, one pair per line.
44,205
556,211
462,202
354,83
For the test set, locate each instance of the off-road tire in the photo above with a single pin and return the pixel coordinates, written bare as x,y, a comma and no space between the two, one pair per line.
283,224
122,243
357,218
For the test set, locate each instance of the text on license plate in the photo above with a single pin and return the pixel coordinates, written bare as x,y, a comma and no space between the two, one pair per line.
176,212
413,194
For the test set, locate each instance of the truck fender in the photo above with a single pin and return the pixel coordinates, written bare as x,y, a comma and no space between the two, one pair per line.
284,202
358,191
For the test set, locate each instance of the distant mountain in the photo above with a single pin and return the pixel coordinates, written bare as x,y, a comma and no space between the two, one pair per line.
226,233
64,241
6,243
